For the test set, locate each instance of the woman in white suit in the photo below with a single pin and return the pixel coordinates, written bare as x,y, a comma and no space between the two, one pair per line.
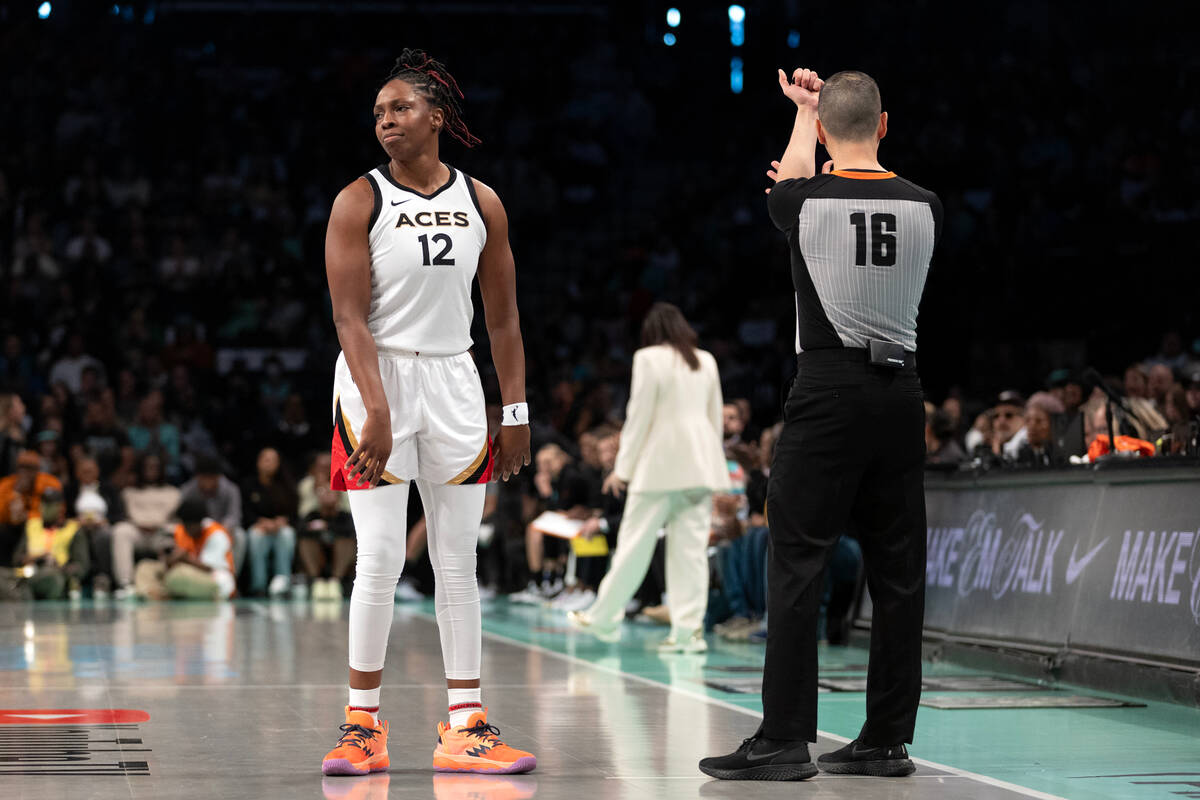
671,460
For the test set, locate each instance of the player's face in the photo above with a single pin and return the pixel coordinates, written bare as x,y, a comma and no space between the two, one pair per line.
405,124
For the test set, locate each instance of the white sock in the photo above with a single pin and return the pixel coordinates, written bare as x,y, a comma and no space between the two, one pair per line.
463,703
365,700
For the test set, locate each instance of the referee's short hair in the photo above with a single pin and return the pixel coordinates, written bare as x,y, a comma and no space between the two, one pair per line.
849,106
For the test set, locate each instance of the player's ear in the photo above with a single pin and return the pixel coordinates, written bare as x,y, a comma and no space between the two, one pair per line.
882,131
820,132
438,117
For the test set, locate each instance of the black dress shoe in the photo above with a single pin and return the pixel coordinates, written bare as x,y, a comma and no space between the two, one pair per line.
857,758
762,759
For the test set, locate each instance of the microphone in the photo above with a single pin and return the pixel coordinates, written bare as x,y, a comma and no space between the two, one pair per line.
1092,377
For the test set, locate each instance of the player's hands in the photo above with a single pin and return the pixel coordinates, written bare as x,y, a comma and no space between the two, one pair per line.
803,89
369,460
512,450
774,175
613,485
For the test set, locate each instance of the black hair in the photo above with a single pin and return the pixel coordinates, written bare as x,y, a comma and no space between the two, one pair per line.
430,78
208,464
191,511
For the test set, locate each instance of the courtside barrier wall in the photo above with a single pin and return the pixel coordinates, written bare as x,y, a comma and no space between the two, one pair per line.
1101,560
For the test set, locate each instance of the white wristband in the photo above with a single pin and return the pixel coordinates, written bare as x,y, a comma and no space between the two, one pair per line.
515,414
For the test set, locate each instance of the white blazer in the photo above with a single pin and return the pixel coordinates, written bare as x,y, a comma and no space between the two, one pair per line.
672,439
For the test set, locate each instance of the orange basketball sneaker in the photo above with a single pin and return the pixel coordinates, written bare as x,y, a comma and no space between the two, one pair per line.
362,748
476,747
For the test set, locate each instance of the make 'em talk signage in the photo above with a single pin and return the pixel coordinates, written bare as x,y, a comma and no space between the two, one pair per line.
1106,566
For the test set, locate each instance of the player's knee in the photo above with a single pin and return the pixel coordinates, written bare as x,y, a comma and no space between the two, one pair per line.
380,559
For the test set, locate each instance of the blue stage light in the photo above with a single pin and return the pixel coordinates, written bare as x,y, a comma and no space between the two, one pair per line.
673,17
735,75
737,26
44,11
669,39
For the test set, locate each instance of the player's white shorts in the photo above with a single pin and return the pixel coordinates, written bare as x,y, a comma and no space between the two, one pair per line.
439,422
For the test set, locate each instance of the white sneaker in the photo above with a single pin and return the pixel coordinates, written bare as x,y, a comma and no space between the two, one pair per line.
580,621
407,593
578,601
333,590
125,593
279,586
301,590
528,596
693,644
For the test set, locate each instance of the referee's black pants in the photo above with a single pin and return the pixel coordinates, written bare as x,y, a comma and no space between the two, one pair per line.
850,458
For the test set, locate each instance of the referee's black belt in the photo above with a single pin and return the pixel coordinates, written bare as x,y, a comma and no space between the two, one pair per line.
848,355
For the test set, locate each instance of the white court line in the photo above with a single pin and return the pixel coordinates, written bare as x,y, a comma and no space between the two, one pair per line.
1012,787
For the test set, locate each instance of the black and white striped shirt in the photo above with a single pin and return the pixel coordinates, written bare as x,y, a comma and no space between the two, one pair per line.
861,242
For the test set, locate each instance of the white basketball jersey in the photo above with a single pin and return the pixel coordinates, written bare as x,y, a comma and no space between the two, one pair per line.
424,253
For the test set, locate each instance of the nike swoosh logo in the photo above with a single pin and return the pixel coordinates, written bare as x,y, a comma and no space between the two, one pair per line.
1075,567
752,758
400,202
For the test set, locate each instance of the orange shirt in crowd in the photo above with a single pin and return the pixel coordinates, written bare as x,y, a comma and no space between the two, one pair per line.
33,498
195,547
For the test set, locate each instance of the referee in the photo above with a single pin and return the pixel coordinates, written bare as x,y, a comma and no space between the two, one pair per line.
851,454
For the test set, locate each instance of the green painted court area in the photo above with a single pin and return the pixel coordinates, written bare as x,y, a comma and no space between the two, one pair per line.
1146,750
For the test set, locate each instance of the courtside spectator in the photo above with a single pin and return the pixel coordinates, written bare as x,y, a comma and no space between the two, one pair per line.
222,501
201,565
21,492
1038,449
1136,381
149,506
1008,420
53,547
268,512
327,545
88,480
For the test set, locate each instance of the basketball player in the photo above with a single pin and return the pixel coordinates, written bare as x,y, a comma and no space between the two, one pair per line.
403,245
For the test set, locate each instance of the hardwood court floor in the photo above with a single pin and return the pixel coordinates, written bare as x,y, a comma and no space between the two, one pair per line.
243,700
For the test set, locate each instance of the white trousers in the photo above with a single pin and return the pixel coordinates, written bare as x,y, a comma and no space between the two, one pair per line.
452,514
687,516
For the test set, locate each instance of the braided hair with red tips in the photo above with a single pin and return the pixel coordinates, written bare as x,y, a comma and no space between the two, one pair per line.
430,78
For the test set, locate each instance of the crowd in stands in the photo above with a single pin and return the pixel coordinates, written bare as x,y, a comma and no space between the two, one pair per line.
165,336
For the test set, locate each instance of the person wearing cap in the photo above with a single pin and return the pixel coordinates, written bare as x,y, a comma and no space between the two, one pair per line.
21,492
1008,424
54,547
201,565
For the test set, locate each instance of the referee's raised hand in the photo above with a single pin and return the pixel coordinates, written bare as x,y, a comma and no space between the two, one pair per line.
803,89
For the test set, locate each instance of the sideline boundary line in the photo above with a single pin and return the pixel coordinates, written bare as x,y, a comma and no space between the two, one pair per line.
984,779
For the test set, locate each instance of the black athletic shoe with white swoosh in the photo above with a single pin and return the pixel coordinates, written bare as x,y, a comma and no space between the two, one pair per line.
762,759
857,758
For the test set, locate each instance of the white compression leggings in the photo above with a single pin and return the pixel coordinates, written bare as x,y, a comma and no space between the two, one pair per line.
452,514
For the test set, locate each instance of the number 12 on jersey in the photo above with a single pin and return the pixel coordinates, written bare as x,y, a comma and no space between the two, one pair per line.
440,259
882,235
